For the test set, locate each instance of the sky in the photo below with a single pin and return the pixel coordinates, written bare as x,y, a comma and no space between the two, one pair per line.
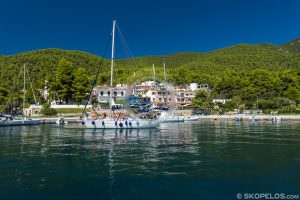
150,27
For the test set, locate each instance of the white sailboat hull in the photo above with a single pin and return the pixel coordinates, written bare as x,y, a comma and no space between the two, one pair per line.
172,119
167,117
191,118
119,124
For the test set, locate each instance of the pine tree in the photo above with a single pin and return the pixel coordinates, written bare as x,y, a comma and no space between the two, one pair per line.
81,84
64,80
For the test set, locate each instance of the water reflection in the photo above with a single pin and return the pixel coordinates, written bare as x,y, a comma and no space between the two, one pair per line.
113,162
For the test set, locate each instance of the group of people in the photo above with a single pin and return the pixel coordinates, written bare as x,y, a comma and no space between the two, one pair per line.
114,115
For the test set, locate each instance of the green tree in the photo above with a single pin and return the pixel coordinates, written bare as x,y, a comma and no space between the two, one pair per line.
3,95
81,84
202,100
293,94
64,80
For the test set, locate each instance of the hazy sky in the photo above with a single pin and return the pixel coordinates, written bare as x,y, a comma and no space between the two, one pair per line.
151,27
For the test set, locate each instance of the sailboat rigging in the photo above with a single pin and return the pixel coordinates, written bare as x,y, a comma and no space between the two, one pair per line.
9,121
115,121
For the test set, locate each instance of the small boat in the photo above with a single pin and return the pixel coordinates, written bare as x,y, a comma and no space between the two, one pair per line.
61,121
253,118
276,119
191,118
166,117
237,118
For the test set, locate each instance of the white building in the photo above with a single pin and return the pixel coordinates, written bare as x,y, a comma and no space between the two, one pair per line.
103,93
222,101
159,94
196,86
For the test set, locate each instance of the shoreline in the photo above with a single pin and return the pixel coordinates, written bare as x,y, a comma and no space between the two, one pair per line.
261,117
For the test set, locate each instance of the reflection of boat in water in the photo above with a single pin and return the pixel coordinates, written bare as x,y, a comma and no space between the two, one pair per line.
116,123
118,136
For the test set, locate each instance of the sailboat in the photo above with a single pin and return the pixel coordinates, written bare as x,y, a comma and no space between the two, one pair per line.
116,121
10,121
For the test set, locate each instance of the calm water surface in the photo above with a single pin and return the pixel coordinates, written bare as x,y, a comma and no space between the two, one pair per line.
201,160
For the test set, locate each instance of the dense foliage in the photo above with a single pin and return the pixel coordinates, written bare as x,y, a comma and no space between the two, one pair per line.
47,110
241,72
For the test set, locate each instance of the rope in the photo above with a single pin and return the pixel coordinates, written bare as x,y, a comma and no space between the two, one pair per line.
31,85
125,47
97,74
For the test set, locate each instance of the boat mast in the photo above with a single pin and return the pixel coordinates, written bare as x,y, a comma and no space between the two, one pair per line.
112,54
165,72
112,62
24,92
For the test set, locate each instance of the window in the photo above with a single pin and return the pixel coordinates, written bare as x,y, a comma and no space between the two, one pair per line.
122,93
108,93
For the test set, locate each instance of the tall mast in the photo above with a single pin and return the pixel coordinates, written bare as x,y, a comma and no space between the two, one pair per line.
111,102
153,66
24,89
165,78
112,54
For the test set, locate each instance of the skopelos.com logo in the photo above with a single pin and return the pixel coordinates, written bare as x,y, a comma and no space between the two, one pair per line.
269,196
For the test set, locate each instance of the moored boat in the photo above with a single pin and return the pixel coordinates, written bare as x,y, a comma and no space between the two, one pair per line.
111,123
166,117
191,118
10,121
115,123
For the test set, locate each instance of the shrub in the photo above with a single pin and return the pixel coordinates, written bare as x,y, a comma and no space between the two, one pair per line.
267,104
47,110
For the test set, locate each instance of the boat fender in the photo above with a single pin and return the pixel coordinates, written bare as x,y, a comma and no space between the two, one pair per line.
82,123
126,123
102,123
138,123
130,124
121,124
116,124
93,122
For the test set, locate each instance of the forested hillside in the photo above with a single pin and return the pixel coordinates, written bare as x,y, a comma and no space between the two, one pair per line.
244,71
